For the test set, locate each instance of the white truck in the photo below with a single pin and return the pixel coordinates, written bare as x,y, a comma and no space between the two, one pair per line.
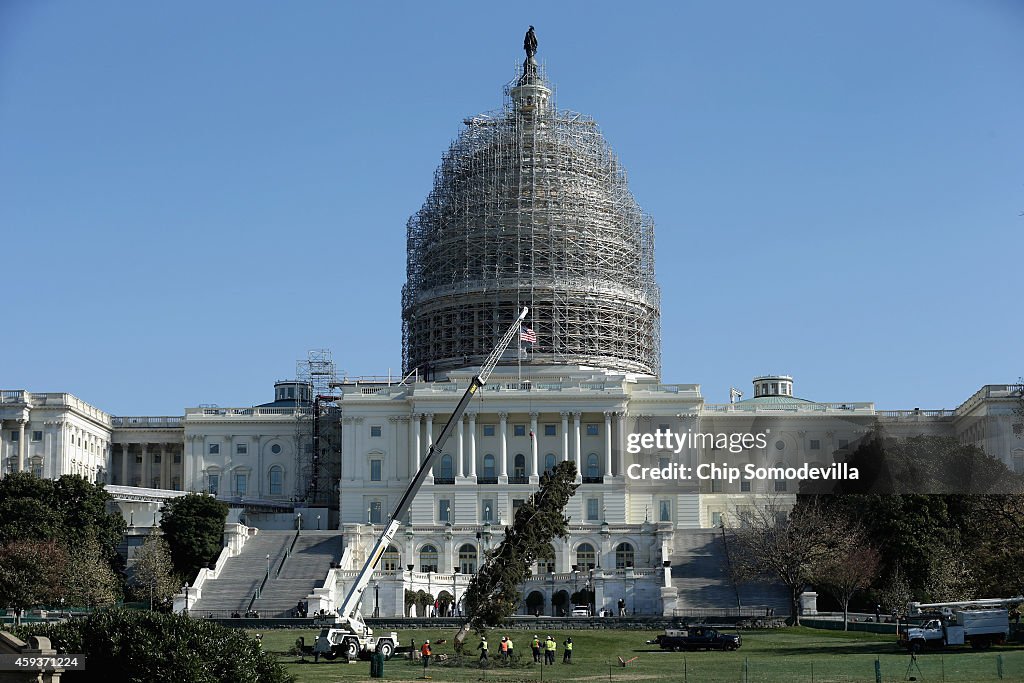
982,623
349,636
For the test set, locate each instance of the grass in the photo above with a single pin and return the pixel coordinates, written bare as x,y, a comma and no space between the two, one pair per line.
794,655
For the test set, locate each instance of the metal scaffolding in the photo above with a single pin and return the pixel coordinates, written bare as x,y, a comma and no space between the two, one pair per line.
318,430
531,207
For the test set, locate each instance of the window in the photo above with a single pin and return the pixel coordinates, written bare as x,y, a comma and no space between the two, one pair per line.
37,436
519,430
241,449
138,459
489,465
467,559
241,483
375,430
175,483
275,449
586,558
37,467
664,511
488,430
375,469
716,519
780,445
214,483
276,481
376,512
664,428
592,468
843,443
487,510
593,430
550,430
716,486
624,556
444,510
177,458
815,444
516,504
549,462
745,486
593,510
428,559
15,436
214,449
392,559
519,466
1018,461
780,484
663,463
157,458
447,472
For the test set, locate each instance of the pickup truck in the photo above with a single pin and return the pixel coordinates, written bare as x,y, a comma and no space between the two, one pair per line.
697,638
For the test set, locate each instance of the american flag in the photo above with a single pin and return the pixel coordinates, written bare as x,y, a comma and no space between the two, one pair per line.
526,334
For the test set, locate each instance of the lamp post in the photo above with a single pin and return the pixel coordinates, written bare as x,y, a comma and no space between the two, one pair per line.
575,574
185,591
455,595
268,566
318,522
298,520
592,591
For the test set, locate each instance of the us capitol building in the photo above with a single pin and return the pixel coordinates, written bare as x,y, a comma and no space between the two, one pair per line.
529,207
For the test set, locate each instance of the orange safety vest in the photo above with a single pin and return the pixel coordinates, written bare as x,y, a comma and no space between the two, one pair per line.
425,650
504,645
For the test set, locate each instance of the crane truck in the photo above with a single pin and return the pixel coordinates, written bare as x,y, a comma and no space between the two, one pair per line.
981,623
349,636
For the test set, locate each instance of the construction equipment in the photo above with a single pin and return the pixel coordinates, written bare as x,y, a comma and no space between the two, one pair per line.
349,636
981,623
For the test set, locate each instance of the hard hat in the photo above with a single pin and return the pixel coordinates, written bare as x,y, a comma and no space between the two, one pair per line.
426,642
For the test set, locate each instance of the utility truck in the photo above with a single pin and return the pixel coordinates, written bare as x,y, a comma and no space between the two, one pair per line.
982,623
349,636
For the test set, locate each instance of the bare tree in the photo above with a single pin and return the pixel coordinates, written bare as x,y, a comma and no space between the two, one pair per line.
773,542
849,568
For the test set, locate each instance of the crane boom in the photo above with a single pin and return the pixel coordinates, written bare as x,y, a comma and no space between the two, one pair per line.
349,612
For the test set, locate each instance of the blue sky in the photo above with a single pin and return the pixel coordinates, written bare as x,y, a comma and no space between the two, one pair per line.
194,194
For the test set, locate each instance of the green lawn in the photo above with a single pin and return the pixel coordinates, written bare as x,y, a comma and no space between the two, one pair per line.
796,655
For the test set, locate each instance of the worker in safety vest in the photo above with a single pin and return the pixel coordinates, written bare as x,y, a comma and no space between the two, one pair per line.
510,648
483,649
567,655
504,649
550,646
535,646
425,653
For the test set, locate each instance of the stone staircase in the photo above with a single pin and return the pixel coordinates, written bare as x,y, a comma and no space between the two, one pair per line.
304,570
700,573
243,573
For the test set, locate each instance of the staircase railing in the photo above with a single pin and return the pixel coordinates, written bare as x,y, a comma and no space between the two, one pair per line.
287,553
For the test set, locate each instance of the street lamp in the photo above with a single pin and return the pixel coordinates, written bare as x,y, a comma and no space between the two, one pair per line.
318,522
268,566
575,574
455,594
298,519
185,591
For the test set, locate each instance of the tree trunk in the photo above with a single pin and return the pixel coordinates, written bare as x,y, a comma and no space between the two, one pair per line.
846,615
795,605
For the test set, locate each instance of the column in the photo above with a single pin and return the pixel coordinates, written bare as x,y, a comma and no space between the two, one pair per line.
164,479
576,444
359,458
430,431
414,444
607,444
258,438
621,415
21,445
472,445
460,428
124,464
565,435
144,447
503,429
535,471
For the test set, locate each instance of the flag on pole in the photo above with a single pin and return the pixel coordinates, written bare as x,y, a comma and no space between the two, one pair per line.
527,335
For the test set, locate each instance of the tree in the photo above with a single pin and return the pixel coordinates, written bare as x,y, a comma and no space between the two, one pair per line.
129,646
769,543
895,593
30,573
194,527
87,579
154,578
493,594
848,569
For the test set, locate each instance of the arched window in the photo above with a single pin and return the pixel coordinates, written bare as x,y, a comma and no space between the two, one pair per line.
213,481
467,559
549,462
391,559
37,466
780,484
446,467
592,470
624,556
489,466
428,559
519,468
586,558
276,480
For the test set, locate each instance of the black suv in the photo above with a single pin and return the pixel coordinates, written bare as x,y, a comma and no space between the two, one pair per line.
697,638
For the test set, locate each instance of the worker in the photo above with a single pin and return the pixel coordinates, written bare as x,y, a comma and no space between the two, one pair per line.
535,646
425,653
510,653
504,649
550,646
483,649
567,654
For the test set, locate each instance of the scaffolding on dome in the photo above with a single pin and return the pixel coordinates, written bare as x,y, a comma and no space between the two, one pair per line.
531,207
318,431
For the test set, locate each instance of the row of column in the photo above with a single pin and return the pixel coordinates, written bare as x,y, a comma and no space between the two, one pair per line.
420,446
148,460
58,449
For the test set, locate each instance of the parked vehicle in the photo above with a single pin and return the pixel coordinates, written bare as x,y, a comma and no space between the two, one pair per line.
697,638
982,623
